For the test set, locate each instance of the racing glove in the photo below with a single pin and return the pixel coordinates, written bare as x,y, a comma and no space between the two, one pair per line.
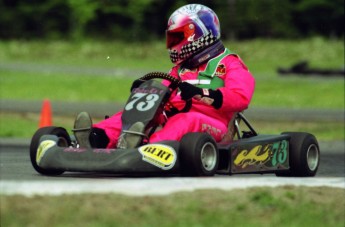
208,96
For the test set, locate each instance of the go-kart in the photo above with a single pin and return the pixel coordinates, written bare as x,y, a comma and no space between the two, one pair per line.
53,151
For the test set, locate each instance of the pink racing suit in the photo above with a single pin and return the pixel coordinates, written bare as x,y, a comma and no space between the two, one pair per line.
228,74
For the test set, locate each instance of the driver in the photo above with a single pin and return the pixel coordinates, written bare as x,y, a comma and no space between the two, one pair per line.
213,77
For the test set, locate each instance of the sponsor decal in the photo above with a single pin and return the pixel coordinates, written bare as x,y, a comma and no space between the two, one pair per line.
270,155
42,148
159,155
213,131
280,153
142,102
221,70
257,155
204,58
151,90
191,38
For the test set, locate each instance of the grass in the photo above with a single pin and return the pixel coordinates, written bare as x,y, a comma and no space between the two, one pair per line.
87,53
292,92
33,86
300,93
281,206
261,56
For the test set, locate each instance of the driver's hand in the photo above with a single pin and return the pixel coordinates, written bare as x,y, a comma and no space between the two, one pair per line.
207,96
136,84
188,90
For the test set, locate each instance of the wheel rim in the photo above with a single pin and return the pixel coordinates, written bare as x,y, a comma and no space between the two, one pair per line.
208,156
313,157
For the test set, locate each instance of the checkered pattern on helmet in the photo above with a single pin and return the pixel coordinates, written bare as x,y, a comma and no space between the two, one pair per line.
173,56
193,47
197,45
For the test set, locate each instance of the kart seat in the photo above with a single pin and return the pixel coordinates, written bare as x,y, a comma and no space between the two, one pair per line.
233,129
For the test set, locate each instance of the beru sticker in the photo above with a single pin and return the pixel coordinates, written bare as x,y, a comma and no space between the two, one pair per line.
159,155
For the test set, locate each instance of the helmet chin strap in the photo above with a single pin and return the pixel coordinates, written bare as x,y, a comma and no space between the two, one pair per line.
203,56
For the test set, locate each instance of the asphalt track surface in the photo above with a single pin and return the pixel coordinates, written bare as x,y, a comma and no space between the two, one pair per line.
18,177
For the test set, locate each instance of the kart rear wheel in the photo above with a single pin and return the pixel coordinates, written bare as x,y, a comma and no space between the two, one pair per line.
64,141
304,155
199,155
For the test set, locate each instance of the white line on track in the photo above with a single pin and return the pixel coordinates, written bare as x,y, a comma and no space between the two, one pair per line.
156,186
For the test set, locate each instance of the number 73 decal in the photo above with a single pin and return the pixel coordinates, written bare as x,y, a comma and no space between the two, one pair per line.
142,101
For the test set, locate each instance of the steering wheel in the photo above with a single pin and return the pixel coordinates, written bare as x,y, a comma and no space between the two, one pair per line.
173,85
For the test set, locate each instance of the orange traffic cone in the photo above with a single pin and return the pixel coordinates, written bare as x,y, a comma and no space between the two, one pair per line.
46,114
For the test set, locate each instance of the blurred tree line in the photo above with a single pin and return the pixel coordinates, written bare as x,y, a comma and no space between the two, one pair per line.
146,19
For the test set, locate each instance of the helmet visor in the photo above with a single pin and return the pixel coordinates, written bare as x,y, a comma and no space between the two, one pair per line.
174,38
178,35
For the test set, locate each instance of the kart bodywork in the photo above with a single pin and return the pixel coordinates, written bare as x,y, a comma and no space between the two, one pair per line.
53,151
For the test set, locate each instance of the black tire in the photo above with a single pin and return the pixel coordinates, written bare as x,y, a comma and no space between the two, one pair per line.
304,155
64,141
198,155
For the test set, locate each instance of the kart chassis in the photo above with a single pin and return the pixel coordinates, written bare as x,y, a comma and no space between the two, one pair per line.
53,151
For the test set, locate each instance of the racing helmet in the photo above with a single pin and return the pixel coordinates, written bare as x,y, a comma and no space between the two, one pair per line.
191,29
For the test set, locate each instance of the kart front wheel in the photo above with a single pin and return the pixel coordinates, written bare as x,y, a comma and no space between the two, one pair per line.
64,141
199,155
304,155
